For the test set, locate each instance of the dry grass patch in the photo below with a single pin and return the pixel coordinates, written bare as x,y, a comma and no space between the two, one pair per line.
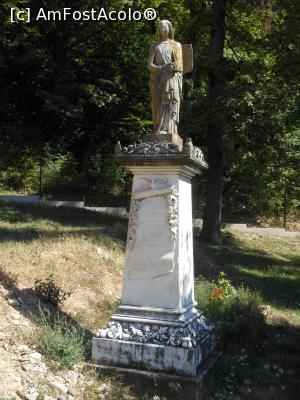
82,252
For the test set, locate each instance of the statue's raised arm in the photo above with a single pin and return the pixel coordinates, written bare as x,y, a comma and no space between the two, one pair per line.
166,66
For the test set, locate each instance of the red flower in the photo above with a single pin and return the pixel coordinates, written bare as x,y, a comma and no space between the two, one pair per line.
218,290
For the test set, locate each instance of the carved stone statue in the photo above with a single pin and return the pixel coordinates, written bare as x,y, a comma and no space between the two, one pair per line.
166,65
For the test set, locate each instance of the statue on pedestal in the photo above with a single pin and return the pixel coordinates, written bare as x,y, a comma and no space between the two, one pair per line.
157,326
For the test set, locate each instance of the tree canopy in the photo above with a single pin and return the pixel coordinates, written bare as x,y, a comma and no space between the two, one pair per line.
71,89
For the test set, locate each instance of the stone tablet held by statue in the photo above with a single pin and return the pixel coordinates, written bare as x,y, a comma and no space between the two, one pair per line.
187,58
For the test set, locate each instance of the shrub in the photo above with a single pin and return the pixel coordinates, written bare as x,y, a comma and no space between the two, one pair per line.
49,291
242,321
236,313
59,340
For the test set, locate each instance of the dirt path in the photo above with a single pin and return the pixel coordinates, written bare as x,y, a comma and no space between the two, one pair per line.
279,232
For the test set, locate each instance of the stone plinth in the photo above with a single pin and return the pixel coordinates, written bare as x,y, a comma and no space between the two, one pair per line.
157,327
188,387
173,138
154,357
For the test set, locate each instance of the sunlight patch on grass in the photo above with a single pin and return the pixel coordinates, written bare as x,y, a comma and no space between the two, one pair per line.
271,272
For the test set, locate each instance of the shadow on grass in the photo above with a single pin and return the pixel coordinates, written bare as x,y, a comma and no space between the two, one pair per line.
271,373
275,278
281,349
63,220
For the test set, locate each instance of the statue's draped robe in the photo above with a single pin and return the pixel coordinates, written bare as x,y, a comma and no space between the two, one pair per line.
165,86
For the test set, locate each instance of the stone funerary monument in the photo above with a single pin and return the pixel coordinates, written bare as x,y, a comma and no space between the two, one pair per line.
157,327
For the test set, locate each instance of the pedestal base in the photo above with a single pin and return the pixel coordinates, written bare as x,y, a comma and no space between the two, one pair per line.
174,386
152,357
157,327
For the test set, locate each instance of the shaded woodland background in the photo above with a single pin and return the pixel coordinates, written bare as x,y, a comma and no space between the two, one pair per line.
70,90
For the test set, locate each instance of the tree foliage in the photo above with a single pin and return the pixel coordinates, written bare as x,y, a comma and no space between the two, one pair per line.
71,89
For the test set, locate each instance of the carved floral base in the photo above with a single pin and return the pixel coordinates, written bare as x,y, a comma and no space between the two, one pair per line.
186,337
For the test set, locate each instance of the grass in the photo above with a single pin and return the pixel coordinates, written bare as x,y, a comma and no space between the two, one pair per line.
270,266
105,309
60,341
84,251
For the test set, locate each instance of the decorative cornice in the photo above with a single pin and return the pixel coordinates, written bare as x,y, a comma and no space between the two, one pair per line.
160,150
193,151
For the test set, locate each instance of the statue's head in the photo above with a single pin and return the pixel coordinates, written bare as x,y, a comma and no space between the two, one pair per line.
165,30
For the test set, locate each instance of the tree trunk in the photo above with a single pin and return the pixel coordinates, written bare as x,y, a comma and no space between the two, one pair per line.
216,80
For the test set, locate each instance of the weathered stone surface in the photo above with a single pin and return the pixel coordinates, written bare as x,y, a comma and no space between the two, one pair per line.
152,357
147,259
188,387
165,66
59,387
164,137
71,390
13,302
35,356
159,260
186,337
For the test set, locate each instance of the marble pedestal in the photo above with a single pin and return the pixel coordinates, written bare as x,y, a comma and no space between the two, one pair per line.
157,327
